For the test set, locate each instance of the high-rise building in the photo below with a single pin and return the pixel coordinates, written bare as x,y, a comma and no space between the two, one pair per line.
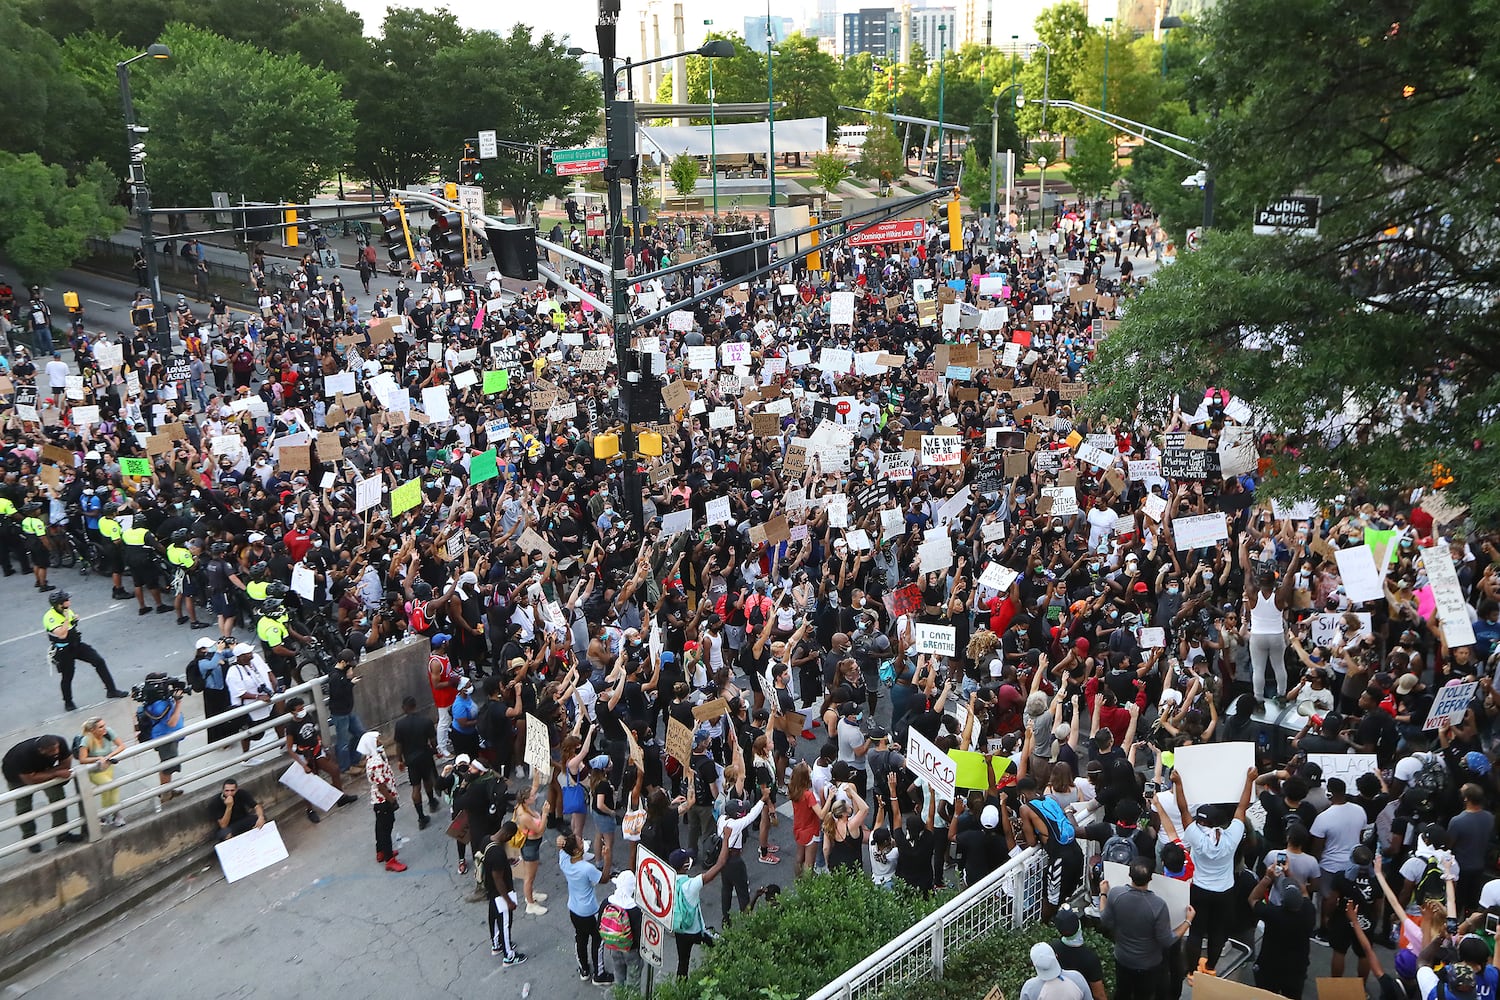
755,31
823,20
924,29
869,30
976,23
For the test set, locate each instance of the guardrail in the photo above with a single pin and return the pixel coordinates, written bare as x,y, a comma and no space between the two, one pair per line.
88,796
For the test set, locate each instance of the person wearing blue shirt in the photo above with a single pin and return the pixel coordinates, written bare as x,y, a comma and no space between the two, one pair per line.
583,906
465,716
166,718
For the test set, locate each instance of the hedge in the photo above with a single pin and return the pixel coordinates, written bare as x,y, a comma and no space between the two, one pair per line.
1002,959
819,926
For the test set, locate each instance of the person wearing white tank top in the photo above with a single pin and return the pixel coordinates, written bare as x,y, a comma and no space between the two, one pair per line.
1267,604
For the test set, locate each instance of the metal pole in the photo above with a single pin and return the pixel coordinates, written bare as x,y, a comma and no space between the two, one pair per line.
1104,86
770,107
713,144
137,168
1208,197
1046,80
937,170
1165,33
994,154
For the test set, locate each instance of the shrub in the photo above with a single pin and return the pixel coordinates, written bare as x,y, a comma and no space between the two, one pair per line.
1003,959
819,927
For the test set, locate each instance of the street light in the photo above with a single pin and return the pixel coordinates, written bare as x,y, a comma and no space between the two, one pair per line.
135,150
895,66
937,173
1167,24
1109,24
1041,191
713,143
995,147
770,107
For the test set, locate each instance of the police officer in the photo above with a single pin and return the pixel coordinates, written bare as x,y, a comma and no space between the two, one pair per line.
223,583
67,647
34,536
111,549
273,630
141,552
182,555
11,540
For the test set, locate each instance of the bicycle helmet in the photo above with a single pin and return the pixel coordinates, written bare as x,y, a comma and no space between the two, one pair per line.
272,606
257,569
219,549
181,535
110,509
57,597
276,591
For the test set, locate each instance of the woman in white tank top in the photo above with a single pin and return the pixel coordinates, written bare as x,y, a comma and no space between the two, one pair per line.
1266,604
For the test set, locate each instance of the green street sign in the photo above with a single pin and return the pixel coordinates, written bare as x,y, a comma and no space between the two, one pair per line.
575,155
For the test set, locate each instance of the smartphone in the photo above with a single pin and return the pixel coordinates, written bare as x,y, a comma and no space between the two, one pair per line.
1281,859
1492,924
1152,788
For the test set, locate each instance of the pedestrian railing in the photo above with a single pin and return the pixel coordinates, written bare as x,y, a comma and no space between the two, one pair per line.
1008,898
142,783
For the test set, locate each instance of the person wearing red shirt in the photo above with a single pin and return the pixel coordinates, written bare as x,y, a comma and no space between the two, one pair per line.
1111,715
1003,609
297,541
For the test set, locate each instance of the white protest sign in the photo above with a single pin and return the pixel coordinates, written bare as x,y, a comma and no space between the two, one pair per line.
85,416
1214,772
1348,766
435,404
109,355
338,382
538,754
997,577
892,522
250,852
1449,706
367,494
992,531
677,522
1154,506
311,787
939,639
1153,638
1237,454
994,319
1294,510
680,321
1142,469
1357,570
836,359
1200,530
942,449
859,541
721,418
1096,457
1064,500
992,285
896,465
304,582
1452,610
734,354
75,387
935,554
1174,892
1328,628
928,762
716,511
702,359
1042,314
838,511
841,308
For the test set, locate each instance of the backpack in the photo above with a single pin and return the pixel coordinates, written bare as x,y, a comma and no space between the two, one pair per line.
1429,884
1057,821
1433,775
1120,850
614,928
194,675
419,621
686,919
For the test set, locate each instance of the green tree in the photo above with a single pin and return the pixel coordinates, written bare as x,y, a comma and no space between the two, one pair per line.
45,217
683,172
1156,176
1368,349
804,77
738,79
852,87
90,59
973,179
882,157
45,110
1092,168
211,107
526,88
1134,76
393,141
831,169
1064,27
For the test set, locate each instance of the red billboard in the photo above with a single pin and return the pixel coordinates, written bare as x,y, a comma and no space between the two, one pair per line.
890,231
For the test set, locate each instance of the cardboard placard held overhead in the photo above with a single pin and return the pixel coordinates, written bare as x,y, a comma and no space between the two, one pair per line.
710,710
295,457
330,448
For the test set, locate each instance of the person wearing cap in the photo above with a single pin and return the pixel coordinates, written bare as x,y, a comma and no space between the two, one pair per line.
1143,934
211,660
1074,954
1289,918
443,680
1052,981
464,712
1470,834
249,681
980,849
1213,849
688,927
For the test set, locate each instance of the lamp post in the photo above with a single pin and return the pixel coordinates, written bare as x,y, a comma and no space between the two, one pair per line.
136,152
1109,24
1167,24
995,148
937,172
770,107
1041,191
713,143
895,67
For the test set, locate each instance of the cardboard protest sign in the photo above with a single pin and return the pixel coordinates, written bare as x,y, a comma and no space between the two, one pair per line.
1199,531
1450,705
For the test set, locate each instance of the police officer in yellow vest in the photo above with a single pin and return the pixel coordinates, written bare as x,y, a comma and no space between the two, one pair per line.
67,647
111,549
273,631
34,536
141,552
187,580
11,540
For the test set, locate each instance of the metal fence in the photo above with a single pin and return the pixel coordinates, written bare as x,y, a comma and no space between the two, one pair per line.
142,783
1008,898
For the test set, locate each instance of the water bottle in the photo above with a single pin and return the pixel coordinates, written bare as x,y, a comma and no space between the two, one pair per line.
525,990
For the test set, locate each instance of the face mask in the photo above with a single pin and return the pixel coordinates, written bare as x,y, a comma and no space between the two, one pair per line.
299,715
1173,590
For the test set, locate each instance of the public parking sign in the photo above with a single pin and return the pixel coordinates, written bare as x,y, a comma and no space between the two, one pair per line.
1294,215
652,936
655,884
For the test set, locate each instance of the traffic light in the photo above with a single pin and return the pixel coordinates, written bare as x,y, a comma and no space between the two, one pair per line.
955,226
397,236
514,248
289,227
469,171
447,235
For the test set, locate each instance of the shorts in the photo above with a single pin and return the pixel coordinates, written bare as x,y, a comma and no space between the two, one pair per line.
166,752
144,574
604,824
753,681
1064,872
222,604
40,554
1341,937
420,769
532,849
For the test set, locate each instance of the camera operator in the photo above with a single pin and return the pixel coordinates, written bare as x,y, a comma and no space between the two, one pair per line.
161,710
249,680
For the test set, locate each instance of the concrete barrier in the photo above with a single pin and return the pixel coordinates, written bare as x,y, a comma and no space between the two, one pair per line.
61,892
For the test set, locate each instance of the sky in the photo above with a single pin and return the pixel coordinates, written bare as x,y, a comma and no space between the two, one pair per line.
576,18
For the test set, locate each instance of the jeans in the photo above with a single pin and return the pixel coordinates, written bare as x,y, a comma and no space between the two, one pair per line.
700,823
347,729
385,822
1267,650
54,793
42,337
1137,984
586,941
625,966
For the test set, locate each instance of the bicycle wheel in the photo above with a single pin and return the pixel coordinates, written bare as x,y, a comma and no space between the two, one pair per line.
64,556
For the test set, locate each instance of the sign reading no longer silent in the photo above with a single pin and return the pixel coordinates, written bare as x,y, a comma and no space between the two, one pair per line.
1294,215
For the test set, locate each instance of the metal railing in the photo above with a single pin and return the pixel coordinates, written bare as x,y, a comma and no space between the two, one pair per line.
1008,898
196,765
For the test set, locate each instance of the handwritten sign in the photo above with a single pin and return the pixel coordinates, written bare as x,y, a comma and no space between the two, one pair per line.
929,763
1199,531
1450,705
939,639
942,449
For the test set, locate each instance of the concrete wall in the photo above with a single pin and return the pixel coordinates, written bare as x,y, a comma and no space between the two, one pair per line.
47,893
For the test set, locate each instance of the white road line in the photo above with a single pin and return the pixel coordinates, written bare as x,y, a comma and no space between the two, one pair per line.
97,302
38,633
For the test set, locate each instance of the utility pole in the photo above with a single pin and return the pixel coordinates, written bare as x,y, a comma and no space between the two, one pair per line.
136,150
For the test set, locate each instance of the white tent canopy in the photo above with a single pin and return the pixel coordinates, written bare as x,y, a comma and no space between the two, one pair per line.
795,135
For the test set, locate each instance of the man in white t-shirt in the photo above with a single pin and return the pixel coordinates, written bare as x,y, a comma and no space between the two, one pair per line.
249,681
1336,830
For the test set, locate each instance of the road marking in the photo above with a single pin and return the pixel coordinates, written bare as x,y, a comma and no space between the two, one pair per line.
84,618
97,302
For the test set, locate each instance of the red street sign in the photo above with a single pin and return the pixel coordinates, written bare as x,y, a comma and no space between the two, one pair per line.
656,885
580,167
890,231
843,408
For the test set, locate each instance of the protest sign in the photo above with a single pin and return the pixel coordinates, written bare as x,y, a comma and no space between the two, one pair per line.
1214,772
1452,610
1450,705
1346,766
926,761
1174,892
1357,570
250,852
1199,531
942,450
405,497
367,494
484,467
939,639
135,467
1064,500
538,753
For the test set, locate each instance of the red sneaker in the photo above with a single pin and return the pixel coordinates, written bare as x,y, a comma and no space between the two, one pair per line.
807,734
394,866
380,857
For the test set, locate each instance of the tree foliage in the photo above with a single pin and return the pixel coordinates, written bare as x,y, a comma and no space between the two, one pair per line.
45,109
683,172
1370,348
882,157
738,79
1092,168
830,168
215,104
45,217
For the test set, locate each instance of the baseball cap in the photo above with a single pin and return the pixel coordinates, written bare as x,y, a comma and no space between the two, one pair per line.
1460,977
465,684
1140,587
667,656
242,648
849,708
462,760
989,818
1045,960
256,536
1289,894
1406,683
878,733
439,638
1066,922
680,857
205,643
1477,762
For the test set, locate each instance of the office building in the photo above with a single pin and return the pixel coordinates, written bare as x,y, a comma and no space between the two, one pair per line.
755,31
925,22
869,30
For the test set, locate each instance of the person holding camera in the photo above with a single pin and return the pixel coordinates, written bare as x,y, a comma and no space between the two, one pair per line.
249,680
160,715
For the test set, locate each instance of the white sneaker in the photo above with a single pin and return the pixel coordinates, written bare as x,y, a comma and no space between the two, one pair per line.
536,909
118,821
540,897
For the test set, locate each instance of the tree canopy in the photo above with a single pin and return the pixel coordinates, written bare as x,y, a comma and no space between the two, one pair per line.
45,217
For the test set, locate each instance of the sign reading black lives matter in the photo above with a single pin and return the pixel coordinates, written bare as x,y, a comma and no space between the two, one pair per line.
1181,462
1294,215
